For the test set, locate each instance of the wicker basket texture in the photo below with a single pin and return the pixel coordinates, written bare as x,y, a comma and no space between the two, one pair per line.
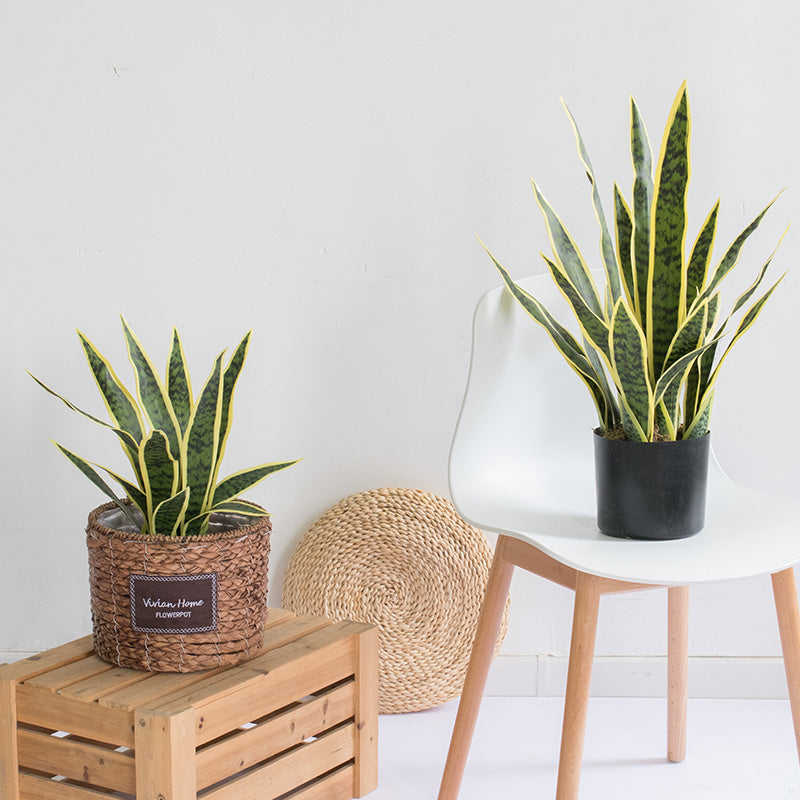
239,558
403,560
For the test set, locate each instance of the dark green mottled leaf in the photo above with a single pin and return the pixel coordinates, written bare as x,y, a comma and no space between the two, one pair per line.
697,271
642,157
241,481
160,471
568,255
170,513
85,467
152,394
201,442
229,378
667,281
565,342
179,386
624,234
629,362
593,327
699,425
606,243
731,257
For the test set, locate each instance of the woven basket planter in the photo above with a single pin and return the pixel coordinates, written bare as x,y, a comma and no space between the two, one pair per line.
163,604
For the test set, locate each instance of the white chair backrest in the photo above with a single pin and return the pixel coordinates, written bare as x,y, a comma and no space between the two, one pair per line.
525,428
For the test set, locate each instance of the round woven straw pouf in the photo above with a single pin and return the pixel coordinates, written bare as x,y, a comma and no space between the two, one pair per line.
237,559
403,560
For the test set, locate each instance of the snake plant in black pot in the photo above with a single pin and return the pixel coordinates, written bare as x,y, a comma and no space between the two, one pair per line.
650,342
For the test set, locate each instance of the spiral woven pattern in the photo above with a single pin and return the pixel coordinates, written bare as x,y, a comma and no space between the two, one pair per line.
404,561
239,558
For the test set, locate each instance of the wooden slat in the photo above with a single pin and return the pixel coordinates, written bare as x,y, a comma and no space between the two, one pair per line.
71,673
39,707
337,785
220,683
366,720
288,771
294,671
112,680
276,616
281,628
82,762
247,748
36,788
157,685
165,748
9,784
57,657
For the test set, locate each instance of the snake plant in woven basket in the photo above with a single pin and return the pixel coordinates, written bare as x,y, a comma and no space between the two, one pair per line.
174,441
649,347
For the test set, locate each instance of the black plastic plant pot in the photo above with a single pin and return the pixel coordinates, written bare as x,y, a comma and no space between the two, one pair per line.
651,490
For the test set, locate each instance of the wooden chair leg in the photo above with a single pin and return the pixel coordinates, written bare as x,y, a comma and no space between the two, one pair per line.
579,676
785,590
494,602
678,670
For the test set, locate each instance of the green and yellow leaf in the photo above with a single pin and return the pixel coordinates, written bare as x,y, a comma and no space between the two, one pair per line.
629,363
607,252
179,385
642,157
151,391
245,479
86,468
568,255
666,286
170,513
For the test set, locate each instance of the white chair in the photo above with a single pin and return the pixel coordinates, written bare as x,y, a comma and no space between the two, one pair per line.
521,465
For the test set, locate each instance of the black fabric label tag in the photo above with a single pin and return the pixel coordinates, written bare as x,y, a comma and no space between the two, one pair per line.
174,603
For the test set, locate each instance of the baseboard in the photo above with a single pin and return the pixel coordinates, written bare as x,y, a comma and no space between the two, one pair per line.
615,676
618,676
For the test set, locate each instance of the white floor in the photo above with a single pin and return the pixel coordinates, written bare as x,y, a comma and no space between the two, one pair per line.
737,750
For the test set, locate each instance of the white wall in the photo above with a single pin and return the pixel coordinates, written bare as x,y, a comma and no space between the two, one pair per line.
318,171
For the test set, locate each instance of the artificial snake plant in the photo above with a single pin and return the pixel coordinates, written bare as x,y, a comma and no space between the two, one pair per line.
649,345
174,442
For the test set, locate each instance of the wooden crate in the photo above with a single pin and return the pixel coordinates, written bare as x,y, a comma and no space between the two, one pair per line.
299,721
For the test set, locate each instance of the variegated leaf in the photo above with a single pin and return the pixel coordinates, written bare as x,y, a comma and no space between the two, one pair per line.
118,400
642,157
593,327
624,235
666,286
159,470
568,255
229,379
699,424
606,243
697,270
85,467
202,439
179,385
136,495
731,257
629,363
240,507
169,514
245,479
152,394
564,341
747,322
